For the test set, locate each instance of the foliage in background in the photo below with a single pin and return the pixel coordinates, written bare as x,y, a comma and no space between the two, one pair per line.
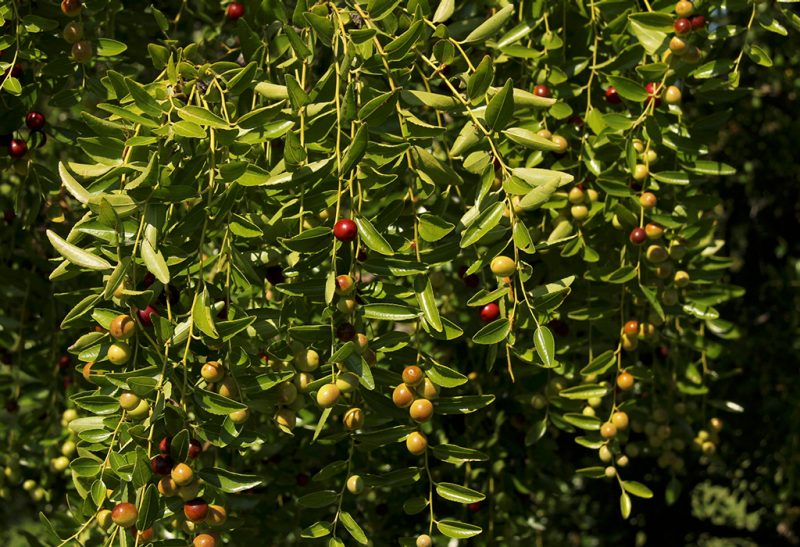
205,182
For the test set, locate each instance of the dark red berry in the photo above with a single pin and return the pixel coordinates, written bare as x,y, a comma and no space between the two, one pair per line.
612,96
196,509
638,236
161,465
275,274
474,507
575,121
698,22
5,139
471,280
34,120
16,71
490,312
653,92
559,327
235,11
9,215
345,332
163,446
302,479
64,361
682,26
17,148
345,230
148,279
146,316
195,448
541,91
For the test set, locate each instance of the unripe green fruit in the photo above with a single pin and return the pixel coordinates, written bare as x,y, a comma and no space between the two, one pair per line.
677,46
239,416
60,463
605,454
622,461
656,254
664,271
503,266
119,353
610,472
128,401
82,51
287,393
328,395
69,415
579,212
347,382
651,156
355,485
608,430
594,402
638,146
424,540
708,448
29,485
227,388
673,95
545,134
588,411
306,360
346,305
68,448
189,491
104,519
576,196
681,279
302,381
167,487
640,172
615,222
213,372
669,297
677,251
73,32
684,8
141,411
561,142
593,195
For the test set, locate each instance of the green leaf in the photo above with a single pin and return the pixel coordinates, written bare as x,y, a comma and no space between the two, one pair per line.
637,489
445,376
155,262
464,404
107,47
403,43
457,493
490,27
353,528
493,333
600,364
458,530
372,238
202,116
76,255
201,315
482,224
625,505
228,481
318,500
628,89
143,99
354,152
73,186
214,403
427,301
433,228
529,139
451,453
480,81
389,312
149,510
444,11
545,345
584,391
317,530
500,108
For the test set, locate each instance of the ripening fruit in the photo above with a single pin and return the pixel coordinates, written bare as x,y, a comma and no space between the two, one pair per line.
125,515
681,279
490,312
286,417
424,540
128,401
656,254
182,474
362,341
234,11
682,26
545,134
428,389
328,395
402,396
204,540
421,410
346,305
34,120
353,419
82,51
195,510
677,46
167,487
654,231
631,327
648,199
579,212
640,172
217,515
625,381
620,420
503,266
561,142
684,8
212,372
73,32
195,448
17,148
119,353
344,285
161,465
306,360
416,443
227,388
413,375
612,97
673,95
629,342
355,485
122,327
608,430
71,8
638,236
345,230
541,91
